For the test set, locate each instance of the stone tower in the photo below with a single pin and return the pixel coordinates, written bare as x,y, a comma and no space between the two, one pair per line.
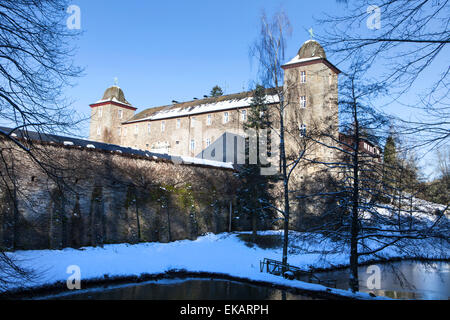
107,116
310,86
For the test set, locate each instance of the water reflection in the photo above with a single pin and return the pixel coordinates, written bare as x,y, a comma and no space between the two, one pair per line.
195,289
403,280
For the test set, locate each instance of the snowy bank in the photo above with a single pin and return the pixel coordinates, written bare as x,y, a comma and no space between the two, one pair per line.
223,254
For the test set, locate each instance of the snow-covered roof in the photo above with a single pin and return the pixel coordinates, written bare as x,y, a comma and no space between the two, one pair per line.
210,104
203,108
297,59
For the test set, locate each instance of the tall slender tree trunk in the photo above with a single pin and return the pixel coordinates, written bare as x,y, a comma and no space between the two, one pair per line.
285,189
138,222
354,281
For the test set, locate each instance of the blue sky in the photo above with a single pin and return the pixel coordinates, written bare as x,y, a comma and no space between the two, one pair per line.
176,50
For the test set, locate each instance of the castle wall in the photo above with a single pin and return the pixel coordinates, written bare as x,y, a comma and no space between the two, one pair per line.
110,198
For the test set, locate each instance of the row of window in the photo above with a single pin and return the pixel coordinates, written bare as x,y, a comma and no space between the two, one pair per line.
119,112
226,119
303,78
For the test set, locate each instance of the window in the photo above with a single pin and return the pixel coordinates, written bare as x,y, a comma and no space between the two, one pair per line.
302,129
244,115
192,145
120,113
149,127
100,112
163,126
98,130
119,131
225,117
192,122
136,129
178,123
125,130
303,102
303,77
208,120
330,79
208,142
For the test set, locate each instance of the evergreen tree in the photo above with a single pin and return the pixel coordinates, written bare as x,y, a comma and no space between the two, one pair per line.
216,91
254,193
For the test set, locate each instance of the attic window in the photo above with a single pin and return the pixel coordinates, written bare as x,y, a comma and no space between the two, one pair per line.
136,129
120,113
100,112
178,123
208,120
149,127
163,126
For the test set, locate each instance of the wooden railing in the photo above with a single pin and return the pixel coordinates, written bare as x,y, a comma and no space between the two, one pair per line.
292,272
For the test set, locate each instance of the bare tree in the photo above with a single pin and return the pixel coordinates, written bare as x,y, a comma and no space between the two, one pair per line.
361,221
269,51
35,68
409,42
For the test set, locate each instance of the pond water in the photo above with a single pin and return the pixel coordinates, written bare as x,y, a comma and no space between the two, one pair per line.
401,280
182,289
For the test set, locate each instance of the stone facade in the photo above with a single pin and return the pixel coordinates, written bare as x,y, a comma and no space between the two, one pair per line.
105,197
188,128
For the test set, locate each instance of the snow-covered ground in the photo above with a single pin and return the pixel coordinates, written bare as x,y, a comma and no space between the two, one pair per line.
222,253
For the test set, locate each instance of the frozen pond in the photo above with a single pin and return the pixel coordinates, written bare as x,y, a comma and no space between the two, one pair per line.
402,280
182,289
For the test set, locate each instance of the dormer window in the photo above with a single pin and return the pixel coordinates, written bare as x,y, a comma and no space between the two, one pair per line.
303,77
303,102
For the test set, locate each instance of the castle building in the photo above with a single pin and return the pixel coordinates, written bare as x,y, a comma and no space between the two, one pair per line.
190,128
